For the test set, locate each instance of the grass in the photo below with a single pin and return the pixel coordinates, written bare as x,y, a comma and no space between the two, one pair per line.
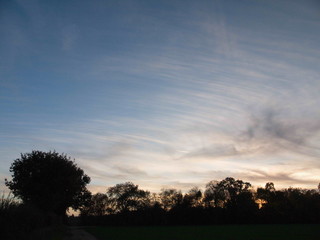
218,232
51,233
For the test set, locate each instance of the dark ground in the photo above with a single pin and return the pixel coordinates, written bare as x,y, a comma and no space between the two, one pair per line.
217,232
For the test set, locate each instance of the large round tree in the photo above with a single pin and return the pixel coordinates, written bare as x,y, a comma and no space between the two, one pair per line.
50,181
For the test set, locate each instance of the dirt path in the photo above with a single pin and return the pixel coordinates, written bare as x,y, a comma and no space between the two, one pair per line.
77,233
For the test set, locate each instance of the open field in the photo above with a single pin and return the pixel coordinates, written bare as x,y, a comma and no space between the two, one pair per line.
219,232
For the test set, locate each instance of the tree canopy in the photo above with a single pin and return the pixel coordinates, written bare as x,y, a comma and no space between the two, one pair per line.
218,194
170,198
128,197
50,181
99,205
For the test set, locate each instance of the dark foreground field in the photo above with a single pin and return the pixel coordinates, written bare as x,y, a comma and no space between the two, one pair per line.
219,232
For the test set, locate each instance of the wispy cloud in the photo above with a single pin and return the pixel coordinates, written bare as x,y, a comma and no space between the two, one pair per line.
216,151
285,178
268,134
273,132
154,94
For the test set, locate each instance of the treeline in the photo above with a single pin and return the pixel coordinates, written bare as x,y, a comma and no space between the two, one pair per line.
46,184
222,202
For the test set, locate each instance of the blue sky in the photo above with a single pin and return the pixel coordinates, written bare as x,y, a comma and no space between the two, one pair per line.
164,93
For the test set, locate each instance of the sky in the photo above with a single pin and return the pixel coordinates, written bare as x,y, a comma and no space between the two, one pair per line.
164,93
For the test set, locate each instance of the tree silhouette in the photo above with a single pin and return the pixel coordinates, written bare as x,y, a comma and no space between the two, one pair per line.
99,205
128,197
270,187
50,181
218,194
232,187
267,193
227,201
193,198
214,196
170,198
